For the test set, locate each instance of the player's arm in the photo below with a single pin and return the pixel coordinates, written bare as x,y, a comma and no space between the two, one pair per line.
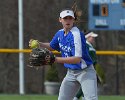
45,45
69,60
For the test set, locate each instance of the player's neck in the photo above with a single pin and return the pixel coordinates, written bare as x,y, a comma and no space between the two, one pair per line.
66,31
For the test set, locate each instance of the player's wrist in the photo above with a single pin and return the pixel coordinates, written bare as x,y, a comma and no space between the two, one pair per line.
40,44
56,60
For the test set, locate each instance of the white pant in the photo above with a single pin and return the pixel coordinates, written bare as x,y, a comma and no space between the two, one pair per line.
85,78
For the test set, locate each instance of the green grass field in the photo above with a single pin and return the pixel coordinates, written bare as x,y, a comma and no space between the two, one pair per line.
46,97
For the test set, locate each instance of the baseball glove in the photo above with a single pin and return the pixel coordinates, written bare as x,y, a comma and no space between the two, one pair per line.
41,56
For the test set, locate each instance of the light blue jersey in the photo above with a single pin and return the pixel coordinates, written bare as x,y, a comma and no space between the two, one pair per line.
72,44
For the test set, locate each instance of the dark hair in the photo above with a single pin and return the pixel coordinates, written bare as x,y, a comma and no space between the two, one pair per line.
77,12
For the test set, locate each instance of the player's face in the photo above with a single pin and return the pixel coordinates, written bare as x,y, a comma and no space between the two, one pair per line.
91,39
67,22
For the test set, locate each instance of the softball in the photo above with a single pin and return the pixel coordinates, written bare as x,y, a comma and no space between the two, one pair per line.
34,44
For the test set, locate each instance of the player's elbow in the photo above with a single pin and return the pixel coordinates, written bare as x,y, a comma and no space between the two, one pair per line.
77,60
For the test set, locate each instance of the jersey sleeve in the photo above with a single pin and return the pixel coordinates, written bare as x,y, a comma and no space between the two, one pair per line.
55,43
76,43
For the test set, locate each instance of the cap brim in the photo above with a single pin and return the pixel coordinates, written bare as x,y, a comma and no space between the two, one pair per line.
92,34
67,16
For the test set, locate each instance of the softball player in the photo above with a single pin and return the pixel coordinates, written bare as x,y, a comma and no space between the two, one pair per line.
72,45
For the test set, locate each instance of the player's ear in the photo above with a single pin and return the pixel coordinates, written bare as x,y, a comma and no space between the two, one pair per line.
60,19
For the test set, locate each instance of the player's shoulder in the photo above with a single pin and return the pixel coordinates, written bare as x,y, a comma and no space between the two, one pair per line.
75,31
59,31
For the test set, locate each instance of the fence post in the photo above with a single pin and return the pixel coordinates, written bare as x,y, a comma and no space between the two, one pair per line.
117,75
